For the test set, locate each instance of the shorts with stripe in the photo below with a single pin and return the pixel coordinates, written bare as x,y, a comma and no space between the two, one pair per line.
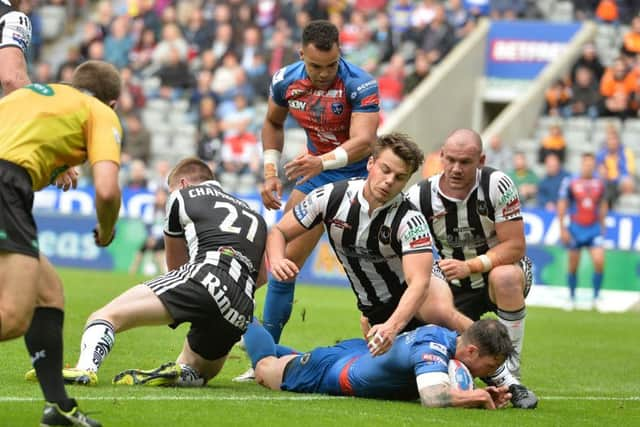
217,306
475,302
18,231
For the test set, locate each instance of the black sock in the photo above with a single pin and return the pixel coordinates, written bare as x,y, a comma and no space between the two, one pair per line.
44,343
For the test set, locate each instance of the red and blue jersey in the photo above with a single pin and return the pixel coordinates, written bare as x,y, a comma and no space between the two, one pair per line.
584,196
348,369
325,115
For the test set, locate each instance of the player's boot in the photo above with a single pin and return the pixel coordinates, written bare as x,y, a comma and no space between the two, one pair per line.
522,397
54,416
246,376
166,375
70,376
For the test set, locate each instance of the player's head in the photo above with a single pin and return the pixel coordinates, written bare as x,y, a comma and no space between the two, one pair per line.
189,171
484,346
461,157
394,159
99,78
588,165
320,52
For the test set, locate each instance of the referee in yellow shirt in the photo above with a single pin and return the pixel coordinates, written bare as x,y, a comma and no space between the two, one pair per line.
45,131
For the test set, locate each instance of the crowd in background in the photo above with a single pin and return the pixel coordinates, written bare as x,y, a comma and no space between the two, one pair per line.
215,58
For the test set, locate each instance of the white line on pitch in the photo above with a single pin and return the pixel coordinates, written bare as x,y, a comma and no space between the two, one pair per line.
283,398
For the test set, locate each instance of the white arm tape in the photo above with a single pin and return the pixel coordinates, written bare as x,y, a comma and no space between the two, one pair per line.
335,159
271,157
431,379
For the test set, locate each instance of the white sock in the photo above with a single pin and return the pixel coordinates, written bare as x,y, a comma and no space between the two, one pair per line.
97,341
189,377
514,322
502,376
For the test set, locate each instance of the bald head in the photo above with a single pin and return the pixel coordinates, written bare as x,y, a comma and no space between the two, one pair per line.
464,138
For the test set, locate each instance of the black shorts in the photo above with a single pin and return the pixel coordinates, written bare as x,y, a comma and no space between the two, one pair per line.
381,313
158,245
473,303
206,296
18,231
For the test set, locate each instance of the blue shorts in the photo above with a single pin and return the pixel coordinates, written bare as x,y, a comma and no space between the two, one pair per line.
354,170
585,236
318,371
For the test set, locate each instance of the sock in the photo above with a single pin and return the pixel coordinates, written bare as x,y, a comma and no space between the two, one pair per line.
277,307
597,284
502,376
258,342
514,322
573,284
97,341
44,343
189,377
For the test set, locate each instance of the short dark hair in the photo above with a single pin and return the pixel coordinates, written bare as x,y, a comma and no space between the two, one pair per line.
320,33
490,336
192,168
588,154
100,78
402,146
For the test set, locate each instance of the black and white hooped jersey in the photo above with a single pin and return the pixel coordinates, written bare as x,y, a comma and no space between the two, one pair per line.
464,229
212,220
15,27
370,248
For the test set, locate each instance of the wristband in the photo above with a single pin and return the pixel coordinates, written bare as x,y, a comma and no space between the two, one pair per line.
335,159
271,160
486,262
480,264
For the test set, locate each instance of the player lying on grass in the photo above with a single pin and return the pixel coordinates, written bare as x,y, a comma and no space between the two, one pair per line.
416,366
214,249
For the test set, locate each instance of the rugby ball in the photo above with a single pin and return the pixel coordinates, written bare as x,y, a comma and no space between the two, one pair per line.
459,376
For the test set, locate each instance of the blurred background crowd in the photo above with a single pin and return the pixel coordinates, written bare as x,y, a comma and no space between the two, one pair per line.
196,76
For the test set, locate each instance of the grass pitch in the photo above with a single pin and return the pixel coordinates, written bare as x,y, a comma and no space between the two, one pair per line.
584,366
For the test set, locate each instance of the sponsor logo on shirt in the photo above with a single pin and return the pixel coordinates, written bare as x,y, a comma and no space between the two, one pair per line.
370,100
338,223
297,105
337,108
433,359
438,347
421,242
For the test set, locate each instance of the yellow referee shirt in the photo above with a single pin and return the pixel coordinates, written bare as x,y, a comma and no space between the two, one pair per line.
49,128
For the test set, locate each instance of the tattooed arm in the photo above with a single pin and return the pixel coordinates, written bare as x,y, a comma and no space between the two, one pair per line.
442,396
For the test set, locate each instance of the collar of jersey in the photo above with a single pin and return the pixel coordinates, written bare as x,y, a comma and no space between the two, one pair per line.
365,204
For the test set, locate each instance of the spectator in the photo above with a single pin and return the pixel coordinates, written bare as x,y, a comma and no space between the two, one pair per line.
432,164
206,111
631,40
210,143
154,242
549,185
137,179
478,8
556,98
616,86
400,13
96,50
437,38
259,78
65,73
423,13
498,155
585,97
118,44
584,9
149,17
137,140
589,59
366,54
104,16
43,73
607,11
90,33
238,118
175,76
142,52
390,84
524,178
422,68
171,39
616,165
223,42
460,18
553,143
239,153
251,46
281,52
202,89
72,60
383,37
131,85
198,33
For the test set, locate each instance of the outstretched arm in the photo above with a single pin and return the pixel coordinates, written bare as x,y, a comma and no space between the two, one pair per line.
442,396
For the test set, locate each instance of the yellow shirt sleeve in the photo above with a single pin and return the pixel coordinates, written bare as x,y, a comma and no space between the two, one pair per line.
104,134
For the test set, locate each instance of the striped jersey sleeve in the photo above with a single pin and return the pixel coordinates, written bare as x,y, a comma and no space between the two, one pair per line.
311,210
504,197
413,233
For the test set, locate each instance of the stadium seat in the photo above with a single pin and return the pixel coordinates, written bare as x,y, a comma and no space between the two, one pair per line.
562,12
584,124
628,204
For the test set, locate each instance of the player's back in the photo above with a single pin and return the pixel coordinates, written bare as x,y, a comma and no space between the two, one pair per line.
393,375
44,129
214,220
